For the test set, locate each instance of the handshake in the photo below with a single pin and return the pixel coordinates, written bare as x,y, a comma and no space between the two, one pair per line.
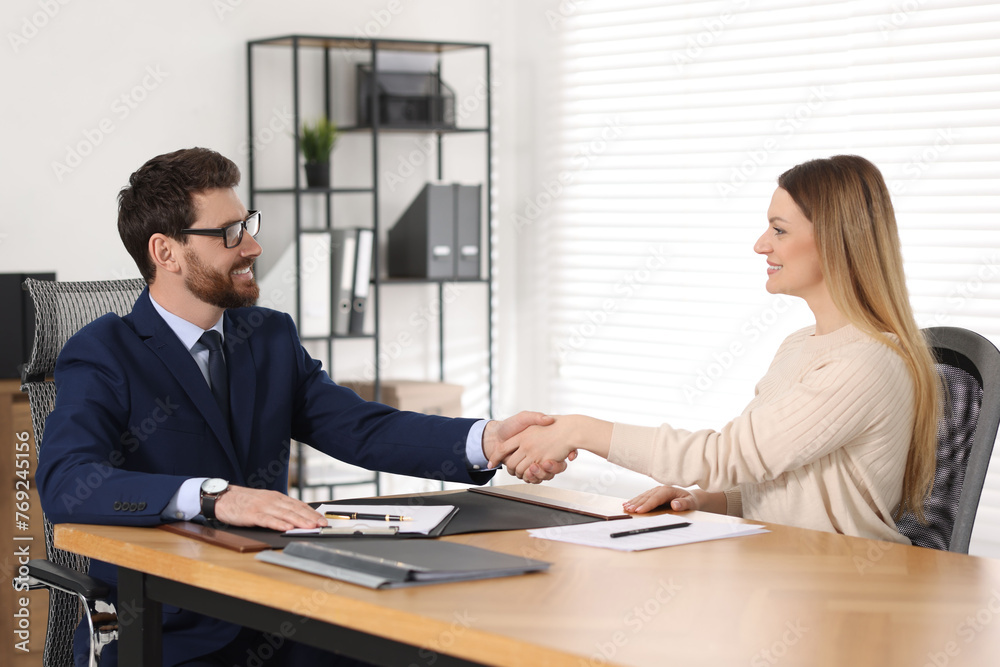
536,447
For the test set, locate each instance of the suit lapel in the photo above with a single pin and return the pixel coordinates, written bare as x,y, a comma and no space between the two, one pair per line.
161,340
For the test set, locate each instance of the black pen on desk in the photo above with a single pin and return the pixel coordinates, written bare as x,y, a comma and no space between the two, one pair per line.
651,529
360,516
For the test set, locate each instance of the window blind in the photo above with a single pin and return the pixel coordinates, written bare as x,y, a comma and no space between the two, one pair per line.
670,124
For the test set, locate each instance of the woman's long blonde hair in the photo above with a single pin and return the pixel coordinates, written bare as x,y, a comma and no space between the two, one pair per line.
848,203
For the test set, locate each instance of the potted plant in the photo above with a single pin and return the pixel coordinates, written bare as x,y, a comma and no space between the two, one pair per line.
317,144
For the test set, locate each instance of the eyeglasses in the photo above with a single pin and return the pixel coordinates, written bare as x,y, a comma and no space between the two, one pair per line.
232,234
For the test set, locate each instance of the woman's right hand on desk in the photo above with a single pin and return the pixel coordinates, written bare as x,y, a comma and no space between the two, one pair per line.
680,500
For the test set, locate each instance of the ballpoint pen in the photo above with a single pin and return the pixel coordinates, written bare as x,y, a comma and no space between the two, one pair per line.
651,529
361,516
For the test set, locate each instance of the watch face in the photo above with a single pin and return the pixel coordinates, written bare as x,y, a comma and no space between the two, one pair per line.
214,485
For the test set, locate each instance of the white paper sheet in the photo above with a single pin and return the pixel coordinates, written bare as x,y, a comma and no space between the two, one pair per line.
425,517
598,534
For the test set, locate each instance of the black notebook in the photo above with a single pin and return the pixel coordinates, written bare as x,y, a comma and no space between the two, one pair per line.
388,563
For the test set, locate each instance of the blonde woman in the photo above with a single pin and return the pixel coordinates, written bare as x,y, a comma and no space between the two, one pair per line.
841,433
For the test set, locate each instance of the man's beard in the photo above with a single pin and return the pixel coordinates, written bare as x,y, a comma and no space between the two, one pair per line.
217,288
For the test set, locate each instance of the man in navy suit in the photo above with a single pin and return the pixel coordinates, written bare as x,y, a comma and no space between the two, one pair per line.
185,408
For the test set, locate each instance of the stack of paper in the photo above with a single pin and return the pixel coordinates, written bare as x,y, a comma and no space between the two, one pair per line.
421,520
599,534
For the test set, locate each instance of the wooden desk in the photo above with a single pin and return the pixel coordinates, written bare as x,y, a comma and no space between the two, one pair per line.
789,597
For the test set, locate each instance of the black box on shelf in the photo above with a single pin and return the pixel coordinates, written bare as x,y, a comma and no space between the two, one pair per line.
438,236
18,313
411,100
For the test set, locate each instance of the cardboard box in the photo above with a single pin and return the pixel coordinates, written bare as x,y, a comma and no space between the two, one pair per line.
430,398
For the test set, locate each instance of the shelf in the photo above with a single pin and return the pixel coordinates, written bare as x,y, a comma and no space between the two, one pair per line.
361,50
338,481
312,191
323,339
359,43
428,281
422,129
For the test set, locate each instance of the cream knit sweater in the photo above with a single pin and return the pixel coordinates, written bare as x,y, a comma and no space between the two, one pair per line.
822,445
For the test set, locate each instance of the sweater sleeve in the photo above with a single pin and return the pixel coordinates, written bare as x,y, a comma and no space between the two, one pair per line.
833,401
734,501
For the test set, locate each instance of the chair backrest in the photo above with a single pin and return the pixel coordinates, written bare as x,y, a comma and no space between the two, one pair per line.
969,366
62,309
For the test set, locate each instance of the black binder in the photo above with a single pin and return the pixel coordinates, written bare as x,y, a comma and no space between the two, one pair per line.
467,224
477,513
388,563
438,236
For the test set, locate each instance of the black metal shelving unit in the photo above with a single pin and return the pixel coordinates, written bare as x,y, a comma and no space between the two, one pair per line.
298,43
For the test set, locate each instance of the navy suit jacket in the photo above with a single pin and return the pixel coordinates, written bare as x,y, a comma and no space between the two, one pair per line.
134,418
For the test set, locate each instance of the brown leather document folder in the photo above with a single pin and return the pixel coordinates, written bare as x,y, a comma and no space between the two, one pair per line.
218,537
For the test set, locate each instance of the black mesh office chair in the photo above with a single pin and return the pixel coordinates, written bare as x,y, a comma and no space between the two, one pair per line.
61,309
970,367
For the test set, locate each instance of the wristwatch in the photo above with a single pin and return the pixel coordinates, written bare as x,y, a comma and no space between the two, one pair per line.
211,490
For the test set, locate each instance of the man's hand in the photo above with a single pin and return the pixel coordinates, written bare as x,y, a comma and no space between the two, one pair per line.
536,445
496,435
242,506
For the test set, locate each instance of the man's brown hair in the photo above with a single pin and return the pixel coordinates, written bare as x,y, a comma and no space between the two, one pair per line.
158,198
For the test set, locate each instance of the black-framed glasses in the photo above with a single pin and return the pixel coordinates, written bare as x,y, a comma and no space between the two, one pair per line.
232,235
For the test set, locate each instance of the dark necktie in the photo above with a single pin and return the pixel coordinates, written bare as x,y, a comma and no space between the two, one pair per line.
217,376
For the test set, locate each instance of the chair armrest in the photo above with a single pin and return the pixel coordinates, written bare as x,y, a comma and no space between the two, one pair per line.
51,575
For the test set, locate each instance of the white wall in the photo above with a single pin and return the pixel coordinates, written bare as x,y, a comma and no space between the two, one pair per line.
93,89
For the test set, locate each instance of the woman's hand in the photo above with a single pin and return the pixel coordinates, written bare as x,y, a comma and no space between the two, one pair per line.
681,500
538,445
